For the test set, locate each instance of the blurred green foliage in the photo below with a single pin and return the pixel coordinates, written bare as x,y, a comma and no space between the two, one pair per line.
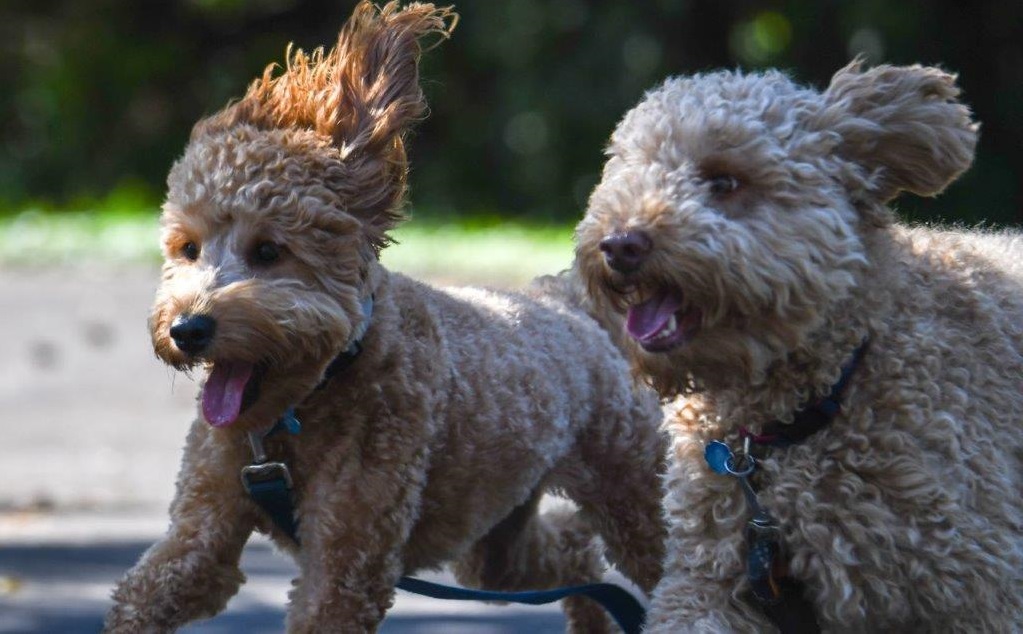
478,251
100,94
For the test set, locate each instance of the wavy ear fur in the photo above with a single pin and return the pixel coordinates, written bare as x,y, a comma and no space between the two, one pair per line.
363,94
903,124
378,70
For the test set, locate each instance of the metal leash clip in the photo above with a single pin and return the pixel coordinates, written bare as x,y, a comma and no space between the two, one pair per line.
267,472
764,555
261,471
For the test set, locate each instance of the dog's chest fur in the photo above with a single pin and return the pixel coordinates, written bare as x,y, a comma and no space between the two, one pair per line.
908,493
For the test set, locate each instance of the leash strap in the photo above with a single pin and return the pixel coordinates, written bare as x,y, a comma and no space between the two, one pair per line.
274,497
269,483
780,596
792,613
627,612
269,486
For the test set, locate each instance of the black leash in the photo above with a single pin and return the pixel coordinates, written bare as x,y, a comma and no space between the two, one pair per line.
269,485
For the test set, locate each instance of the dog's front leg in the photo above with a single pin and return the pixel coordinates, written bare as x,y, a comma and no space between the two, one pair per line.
705,557
193,571
354,525
685,601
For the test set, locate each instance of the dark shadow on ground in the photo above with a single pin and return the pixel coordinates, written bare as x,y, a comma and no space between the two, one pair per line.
65,588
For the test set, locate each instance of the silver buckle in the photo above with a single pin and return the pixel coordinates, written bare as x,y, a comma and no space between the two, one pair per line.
265,472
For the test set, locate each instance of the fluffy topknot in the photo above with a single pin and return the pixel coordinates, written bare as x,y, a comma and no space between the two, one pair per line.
362,92
363,95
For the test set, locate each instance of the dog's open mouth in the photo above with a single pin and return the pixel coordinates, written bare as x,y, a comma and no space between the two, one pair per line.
661,322
231,387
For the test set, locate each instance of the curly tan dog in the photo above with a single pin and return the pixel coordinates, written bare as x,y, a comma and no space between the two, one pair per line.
741,226
435,444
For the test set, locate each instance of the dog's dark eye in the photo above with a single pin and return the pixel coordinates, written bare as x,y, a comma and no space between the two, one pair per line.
190,251
720,185
267,253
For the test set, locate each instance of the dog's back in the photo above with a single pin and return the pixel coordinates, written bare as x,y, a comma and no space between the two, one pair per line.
525,390
972,282
567,288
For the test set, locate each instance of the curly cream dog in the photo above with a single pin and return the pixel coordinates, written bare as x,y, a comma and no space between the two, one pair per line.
741,227
435,444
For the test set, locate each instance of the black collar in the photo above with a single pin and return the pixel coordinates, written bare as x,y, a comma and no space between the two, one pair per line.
348,356
810,419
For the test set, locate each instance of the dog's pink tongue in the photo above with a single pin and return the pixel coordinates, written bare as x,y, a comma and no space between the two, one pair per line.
646,319
223,392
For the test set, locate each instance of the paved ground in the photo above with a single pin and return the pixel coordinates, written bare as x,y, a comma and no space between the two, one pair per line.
92,417
56,571
92,426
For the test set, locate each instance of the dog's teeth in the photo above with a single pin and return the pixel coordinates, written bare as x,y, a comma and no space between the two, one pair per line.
668,329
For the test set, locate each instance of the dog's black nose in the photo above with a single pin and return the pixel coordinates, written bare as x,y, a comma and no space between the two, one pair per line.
626,251
192,333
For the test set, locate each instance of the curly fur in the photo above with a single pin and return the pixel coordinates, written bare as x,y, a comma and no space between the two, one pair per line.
463,408
904,513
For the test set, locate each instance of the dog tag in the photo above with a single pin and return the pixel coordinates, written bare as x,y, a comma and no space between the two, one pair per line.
765,559
721,460
718,456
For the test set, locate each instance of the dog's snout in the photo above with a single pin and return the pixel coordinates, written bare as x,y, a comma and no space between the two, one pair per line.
626,251
192,333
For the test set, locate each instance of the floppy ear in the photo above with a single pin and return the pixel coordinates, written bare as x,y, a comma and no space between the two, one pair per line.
376,64
377,59
903,124
362,95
